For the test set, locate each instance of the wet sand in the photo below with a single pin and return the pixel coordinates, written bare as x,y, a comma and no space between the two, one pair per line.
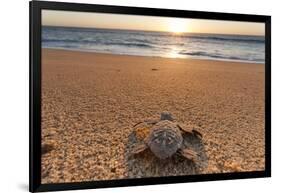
90,102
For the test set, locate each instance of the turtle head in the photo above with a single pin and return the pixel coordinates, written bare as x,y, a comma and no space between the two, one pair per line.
165,115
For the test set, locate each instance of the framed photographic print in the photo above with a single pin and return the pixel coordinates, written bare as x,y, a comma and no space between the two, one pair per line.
124,96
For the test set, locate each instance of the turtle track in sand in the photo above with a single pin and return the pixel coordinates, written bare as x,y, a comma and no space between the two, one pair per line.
146,164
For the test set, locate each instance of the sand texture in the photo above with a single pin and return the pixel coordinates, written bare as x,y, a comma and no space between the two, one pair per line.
91,101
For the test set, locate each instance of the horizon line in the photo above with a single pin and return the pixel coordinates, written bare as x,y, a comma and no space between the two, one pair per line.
176,34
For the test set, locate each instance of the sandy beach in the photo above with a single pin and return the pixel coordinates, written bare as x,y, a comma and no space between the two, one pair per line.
90,102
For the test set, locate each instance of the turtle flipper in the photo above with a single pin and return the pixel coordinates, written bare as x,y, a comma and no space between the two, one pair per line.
189,154
190,129
139,148
197,133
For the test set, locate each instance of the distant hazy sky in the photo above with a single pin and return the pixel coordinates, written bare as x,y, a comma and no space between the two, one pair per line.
149,23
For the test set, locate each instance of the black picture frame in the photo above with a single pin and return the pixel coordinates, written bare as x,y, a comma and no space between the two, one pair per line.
35,94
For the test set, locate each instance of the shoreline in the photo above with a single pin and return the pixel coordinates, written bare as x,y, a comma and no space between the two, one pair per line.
191,58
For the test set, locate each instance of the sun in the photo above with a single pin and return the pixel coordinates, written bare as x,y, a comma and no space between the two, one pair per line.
178,26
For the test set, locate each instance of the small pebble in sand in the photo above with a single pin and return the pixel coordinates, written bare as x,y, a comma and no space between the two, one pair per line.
233,166
46,148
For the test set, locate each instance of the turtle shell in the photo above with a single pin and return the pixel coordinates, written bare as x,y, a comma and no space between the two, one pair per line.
164,139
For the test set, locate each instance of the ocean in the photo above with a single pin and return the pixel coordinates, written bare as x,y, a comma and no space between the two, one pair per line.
159,44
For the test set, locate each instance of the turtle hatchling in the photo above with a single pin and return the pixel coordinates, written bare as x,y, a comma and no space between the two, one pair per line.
165,138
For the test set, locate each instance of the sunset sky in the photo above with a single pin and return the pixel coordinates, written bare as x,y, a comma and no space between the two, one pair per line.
149,23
